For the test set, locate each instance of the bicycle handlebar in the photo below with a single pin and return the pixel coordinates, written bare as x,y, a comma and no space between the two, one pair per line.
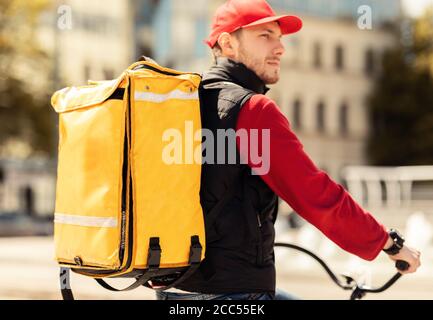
358,291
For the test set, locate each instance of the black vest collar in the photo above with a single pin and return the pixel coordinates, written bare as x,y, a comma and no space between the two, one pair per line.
229,70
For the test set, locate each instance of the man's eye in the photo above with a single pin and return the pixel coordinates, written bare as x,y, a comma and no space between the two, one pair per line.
265,36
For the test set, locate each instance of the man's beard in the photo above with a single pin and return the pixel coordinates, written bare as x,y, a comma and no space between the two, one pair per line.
259,67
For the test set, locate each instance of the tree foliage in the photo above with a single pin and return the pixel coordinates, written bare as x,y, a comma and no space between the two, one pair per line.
401,104
25,72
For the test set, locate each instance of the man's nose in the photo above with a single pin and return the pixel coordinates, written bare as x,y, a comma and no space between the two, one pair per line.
279,49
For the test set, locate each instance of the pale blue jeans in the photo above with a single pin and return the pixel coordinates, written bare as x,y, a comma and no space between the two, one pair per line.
279,295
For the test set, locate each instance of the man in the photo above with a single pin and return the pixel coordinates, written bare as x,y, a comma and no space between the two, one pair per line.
239,205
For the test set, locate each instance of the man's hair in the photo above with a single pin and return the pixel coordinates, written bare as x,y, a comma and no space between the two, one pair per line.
217,51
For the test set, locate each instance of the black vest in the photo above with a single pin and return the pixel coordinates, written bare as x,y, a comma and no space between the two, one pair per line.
240,236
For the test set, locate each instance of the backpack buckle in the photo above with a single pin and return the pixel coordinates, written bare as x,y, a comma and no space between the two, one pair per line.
195,251
154,255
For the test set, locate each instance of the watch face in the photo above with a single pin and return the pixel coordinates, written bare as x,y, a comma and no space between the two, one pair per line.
397,237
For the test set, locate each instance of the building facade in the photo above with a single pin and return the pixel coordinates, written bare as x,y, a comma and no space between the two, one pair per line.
327,70
96,40
327,75
27,187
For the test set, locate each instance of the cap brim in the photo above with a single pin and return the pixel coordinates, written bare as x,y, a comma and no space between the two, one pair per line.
288,24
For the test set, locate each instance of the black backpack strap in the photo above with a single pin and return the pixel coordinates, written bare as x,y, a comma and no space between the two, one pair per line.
227,84
65,286
140,281
153,260
194,262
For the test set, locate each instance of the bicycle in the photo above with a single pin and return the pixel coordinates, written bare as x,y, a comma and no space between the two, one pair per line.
358,290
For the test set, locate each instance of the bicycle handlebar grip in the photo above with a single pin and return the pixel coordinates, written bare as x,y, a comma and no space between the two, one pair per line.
402,265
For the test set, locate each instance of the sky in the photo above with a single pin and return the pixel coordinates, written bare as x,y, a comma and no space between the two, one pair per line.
416,7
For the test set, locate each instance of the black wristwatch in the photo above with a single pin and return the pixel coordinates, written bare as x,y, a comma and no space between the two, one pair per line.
398,242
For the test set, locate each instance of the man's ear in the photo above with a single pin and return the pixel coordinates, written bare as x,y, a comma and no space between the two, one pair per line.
227,45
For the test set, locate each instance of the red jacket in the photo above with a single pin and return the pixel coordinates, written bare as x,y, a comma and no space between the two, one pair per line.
309,191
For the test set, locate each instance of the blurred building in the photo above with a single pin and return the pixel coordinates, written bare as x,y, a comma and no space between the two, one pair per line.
180,28
325,83
383,11
327,70
27,187
87,40
96,39
327,76
392,187
27,197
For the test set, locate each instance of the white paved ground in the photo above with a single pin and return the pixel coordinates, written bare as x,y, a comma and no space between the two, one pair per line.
28,271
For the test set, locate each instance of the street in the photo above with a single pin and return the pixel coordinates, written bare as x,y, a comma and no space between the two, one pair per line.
28,271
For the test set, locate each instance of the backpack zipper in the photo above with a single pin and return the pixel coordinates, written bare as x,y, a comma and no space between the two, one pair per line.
129,196
124,196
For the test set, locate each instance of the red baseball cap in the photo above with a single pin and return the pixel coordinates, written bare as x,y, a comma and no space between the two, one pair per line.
236,14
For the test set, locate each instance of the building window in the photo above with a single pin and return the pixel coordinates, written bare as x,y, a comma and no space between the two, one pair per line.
317,55
297,123
293,44
2,175
339,58
108,74
344,119
86,73
369,62
144,50
28,200
342,177
96,24
320,120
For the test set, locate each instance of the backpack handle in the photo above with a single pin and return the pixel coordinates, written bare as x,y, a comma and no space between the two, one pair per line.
142,61
147,59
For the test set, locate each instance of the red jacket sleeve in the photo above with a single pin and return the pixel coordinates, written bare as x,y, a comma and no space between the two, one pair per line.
309,191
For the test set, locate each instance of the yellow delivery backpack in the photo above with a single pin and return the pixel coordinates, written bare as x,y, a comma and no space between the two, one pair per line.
123,207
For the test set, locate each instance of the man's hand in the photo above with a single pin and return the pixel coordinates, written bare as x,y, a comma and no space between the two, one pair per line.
408,254
411,256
